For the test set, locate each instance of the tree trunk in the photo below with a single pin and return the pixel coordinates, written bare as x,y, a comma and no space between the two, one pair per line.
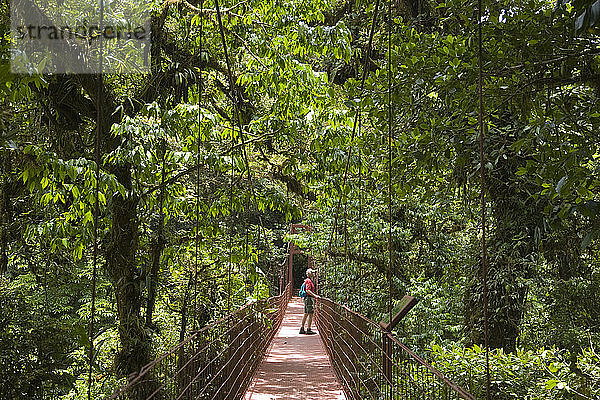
121,243
122,268
3,228
510,243
155,255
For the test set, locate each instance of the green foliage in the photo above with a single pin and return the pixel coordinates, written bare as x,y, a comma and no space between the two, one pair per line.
213,237
35,346
585,14
525,374
440,305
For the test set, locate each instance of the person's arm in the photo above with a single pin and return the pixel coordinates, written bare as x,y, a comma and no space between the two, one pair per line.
313,294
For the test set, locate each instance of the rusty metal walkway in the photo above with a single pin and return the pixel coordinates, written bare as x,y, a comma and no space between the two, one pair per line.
256,353
296,366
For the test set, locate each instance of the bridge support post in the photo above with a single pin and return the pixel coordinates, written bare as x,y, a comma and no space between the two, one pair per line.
291,265
406,304
386,347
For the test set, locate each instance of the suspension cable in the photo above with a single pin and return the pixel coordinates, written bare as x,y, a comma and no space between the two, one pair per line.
198,160
355,124
233,124
390,137
483,203
157,251
231,230
46,304
360,218
346,259
246,238
236,101
96,201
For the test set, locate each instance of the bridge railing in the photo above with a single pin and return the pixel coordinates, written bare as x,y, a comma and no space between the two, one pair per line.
372,364
216,362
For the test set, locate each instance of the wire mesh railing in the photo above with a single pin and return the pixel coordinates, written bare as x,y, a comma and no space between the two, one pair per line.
216,362
372,364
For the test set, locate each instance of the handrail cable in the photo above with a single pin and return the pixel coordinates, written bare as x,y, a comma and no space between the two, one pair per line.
157,390
356,347
359,330
354,377
222,368
219,357
190,338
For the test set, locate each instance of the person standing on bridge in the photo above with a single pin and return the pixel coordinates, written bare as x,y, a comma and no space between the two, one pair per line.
309,301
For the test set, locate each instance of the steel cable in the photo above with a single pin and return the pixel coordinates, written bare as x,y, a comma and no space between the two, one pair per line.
355,124
96,200
483,202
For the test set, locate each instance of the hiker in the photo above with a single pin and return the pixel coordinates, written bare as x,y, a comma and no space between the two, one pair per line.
309,301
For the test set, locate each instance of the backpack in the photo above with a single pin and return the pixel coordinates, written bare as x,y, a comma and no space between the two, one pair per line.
302,293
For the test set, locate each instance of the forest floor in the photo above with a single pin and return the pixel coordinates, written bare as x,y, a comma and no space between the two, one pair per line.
296,366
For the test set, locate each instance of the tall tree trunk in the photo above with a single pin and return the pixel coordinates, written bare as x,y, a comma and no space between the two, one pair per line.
158,244
122,268
121,244
510,243
155,255
3,227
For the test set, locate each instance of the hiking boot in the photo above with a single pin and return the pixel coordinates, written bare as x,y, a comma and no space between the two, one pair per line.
302,332
310,332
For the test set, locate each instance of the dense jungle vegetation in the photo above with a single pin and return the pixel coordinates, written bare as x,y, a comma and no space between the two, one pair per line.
183,202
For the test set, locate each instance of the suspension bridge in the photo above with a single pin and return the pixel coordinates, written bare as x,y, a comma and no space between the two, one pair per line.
257,353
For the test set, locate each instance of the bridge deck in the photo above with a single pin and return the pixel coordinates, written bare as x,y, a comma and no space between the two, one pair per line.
296,366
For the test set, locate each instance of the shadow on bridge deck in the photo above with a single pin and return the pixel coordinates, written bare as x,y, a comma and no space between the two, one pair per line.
296,366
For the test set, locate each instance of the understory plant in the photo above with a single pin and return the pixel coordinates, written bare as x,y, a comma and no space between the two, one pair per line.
541,374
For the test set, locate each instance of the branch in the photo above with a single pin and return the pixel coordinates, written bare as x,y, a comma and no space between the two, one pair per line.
294,185
547,81
561,81
249,49
203,10
380,264
552,60
195,167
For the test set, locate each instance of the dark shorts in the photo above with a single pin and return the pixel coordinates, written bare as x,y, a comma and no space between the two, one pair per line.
309,305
